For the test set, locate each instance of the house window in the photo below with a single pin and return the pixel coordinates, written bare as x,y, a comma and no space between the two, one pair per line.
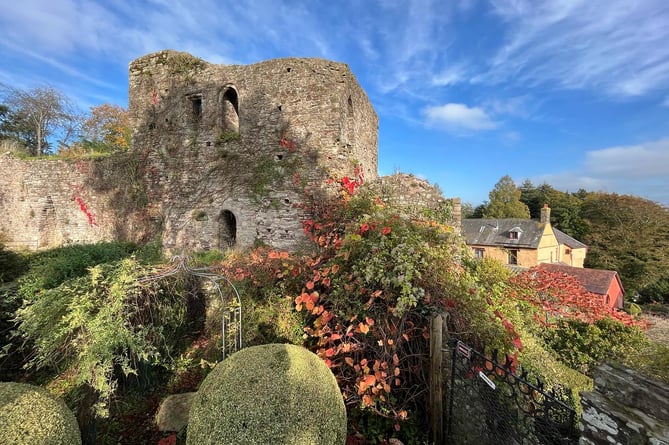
567,251
478,253
514,233
513,256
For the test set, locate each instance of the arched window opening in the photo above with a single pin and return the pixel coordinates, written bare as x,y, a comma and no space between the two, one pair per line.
230,108
227,229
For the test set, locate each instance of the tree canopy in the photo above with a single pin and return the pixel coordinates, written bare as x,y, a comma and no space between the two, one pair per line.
625,233
505,201
628,234
36,116
106,129
565,207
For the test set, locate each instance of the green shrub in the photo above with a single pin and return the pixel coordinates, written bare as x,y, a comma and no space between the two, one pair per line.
541,363
96,326
29,415
656,309
278,394
583,346
50,268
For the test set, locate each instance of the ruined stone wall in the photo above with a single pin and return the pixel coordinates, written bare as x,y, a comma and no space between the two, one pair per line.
229,148
625,408
418,198
46,203
221,156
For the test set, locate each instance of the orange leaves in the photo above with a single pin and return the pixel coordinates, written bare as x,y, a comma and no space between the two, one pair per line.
365,383
308,301
272,254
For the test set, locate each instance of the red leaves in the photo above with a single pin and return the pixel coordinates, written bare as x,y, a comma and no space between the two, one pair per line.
348,185
169,440
285,143
272,254
308,300
84,208
560,295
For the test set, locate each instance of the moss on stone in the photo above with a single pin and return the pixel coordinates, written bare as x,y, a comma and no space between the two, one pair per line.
30,415
278,394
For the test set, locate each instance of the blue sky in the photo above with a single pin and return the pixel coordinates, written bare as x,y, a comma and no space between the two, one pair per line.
574,93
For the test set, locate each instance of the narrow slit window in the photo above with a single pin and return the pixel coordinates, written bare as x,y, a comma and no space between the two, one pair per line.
196,107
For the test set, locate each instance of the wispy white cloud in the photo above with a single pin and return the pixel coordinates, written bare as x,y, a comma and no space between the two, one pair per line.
459,118
641,169
617,47
450,76
649,159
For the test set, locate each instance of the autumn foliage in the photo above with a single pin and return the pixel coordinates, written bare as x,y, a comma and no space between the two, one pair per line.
559,296
370,282
365,290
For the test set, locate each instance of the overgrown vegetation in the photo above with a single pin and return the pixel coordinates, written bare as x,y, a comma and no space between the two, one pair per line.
360,294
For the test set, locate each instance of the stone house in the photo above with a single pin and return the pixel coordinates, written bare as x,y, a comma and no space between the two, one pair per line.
522,242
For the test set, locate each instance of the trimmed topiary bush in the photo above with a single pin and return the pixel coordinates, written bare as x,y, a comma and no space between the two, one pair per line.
278,394
29,415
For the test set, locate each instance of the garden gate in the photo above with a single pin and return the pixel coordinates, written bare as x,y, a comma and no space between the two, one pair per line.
231,308
489,404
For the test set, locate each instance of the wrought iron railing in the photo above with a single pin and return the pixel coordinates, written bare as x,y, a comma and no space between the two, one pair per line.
488,403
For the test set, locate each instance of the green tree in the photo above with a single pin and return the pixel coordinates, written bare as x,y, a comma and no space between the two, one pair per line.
34,117
14,129
505,201
565,207
628,234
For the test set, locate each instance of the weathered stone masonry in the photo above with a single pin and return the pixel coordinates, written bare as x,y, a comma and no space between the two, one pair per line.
220,156
625,407
46,203
229,148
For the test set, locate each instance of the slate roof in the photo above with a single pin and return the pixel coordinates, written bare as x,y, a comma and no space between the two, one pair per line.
567,240
593,280
495,232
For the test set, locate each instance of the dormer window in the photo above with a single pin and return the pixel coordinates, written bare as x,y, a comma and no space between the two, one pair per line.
515,233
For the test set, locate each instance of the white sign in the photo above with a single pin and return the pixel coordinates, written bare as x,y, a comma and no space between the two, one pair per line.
487,380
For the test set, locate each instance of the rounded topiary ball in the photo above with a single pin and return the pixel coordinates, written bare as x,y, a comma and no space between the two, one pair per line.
271,394
31,415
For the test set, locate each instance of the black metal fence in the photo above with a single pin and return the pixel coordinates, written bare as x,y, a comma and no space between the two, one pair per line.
489,404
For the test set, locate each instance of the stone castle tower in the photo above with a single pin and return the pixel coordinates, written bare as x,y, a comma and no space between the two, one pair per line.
229,148
220,155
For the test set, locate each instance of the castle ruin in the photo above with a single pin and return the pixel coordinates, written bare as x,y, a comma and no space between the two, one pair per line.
220,156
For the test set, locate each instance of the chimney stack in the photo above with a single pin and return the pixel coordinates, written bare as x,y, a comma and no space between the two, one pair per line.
546,214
